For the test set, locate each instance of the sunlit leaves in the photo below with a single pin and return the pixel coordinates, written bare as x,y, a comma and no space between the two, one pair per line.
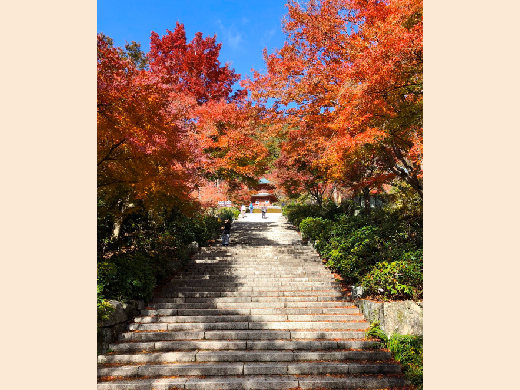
348,80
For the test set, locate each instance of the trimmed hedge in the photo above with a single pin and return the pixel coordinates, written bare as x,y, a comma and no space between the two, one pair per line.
383,251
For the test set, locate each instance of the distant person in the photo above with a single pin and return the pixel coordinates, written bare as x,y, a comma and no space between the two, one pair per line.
243,210
264,210
226,233
251,207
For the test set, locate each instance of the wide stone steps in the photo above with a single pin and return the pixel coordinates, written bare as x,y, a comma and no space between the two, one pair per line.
250,316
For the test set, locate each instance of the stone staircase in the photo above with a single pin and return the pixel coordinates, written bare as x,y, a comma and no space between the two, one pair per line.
262,313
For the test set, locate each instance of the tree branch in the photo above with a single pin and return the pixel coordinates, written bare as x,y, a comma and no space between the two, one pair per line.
114,147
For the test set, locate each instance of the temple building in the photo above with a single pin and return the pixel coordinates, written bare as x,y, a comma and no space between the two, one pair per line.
265,194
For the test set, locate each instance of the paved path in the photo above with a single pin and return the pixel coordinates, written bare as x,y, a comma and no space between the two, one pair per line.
262,313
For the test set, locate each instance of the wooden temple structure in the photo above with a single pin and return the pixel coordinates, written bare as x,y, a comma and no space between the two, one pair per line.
264,194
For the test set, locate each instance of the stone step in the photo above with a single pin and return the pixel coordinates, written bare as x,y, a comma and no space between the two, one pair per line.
272,334
247,279
239,355
250,276
257,305
234,285
242,368
216,294
286,311
222,322
309,287
255,274
219,315
231,324
297,325
215,302
257,262
192,345
254,262
277,272
234,331
258,382
262,270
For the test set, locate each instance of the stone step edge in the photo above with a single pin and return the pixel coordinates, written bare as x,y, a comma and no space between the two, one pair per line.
277,382
190,357
309,293
185,347
250,368
282,335
206,319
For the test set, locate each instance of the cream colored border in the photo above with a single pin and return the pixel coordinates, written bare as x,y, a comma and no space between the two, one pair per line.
48,139
471,182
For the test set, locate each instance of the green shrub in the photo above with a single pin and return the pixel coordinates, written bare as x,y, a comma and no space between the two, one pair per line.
354,255
211,229
311,228
104,308
127,276
230,213
395,280
406,349
296,213
354,244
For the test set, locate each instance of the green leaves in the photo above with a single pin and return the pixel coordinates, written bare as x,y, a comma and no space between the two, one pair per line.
395,280
383,251
406,349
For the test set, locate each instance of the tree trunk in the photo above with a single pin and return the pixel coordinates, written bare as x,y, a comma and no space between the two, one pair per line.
117,227
366,198
118,222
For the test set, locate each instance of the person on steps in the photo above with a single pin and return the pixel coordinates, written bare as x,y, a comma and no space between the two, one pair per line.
226,233
264,210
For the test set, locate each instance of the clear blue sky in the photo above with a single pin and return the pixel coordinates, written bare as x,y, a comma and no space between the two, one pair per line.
244,27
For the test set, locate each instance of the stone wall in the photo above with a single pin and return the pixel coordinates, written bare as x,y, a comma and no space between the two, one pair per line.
109,330
405,317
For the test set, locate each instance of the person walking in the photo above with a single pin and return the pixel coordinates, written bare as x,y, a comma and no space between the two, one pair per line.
251,207
243,210
226,233
264,210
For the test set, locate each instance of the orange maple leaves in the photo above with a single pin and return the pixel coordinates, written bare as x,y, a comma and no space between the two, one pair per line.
162,130
350,78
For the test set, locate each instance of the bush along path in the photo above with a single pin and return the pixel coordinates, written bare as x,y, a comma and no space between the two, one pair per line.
262,313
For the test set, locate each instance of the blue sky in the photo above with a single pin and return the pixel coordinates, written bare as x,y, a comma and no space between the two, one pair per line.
244,27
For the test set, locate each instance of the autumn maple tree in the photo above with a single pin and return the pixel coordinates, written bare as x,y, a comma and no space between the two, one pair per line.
168,122
348,83
143,148
191,67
